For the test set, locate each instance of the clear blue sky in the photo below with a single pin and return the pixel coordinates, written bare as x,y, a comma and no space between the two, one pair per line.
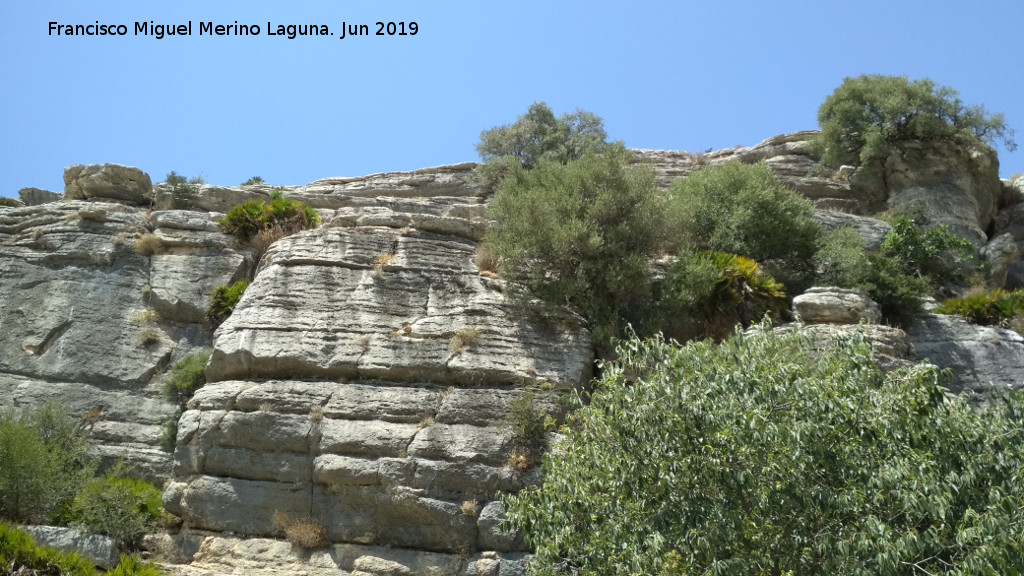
675,75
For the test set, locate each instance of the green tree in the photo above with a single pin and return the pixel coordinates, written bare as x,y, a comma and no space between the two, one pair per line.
743,209
579,234
43,463
866,116
764,455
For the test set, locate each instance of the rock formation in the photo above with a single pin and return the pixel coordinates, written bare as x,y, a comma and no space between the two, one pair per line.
362,383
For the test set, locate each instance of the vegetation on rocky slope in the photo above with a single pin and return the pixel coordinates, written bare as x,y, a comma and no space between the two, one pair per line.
761,455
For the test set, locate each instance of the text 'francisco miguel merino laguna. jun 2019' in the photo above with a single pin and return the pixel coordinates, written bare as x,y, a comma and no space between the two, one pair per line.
290,31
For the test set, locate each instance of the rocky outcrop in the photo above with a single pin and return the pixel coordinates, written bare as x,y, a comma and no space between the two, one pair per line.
107,182
87,321
36,197
871,230
392,365
831,305
981,358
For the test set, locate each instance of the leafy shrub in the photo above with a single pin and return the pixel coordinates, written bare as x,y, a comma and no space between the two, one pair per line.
580,234
526,425
899,295
743,209
761,456
993,308
719,291
841,260
246,219
867,115
223,301
185,377
931,251
539,135
43,463
183,190
117,506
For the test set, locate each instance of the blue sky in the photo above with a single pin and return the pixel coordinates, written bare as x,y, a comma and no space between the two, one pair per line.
669,75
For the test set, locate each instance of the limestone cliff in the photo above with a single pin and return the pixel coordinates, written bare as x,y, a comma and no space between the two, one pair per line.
345,390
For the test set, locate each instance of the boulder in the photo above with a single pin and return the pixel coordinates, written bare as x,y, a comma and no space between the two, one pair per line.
100,550
831,305
35,196
108,182
871,230
982,358
1000,254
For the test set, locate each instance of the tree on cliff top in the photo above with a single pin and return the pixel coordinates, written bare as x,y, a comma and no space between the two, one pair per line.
866,115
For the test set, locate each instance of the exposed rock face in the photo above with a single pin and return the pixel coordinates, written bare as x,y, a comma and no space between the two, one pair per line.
831,305
409,360
871,230
74,326
982,358
35,196
100,550
107,182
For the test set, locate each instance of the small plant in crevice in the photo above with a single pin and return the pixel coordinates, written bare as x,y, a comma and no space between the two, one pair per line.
991,308
463,339
316,413
147,316
179,385
223,301
148,245
305,533
470,508
148,336
527,425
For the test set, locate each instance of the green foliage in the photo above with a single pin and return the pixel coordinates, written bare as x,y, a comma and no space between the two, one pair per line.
253,180
19,554
930,252
183,190
538,135
187,376
528,437
10,202
223,301
580,234
993,308
898,294
867,115
43,463
117,506
247,219
841,260
719,291
764,456
743,209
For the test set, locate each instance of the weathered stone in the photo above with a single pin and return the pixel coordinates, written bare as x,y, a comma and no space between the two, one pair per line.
831,305
100,550
871,230
35,196
492,537
181,284
108,182
1000,253
243,506
461,442
982,358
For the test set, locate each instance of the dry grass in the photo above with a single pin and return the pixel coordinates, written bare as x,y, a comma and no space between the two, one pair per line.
364,343
519,462
383,259
426,421
148,244
92,416
470,508
304,533
489,274
485,262
463,338
148,336
145,317
316,413
261,241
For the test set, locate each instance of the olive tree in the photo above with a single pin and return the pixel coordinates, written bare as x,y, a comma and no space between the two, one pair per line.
863,118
